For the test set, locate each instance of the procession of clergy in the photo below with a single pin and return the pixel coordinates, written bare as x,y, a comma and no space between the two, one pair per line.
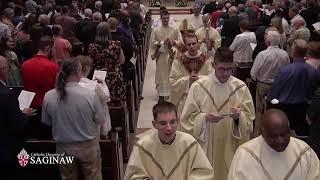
205,117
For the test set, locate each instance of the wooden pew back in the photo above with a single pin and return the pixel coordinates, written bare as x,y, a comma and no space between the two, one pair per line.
111,164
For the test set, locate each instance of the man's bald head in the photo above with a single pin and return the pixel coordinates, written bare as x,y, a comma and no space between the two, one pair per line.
276,129
4,68
299,49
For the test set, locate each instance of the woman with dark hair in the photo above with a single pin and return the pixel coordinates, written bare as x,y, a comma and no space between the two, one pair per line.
30,47
108,56
77,48
6,47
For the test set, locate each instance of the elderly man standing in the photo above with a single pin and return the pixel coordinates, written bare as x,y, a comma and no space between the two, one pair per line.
265,68
219,113
275,155
167,153
299,31
293,87
162,40
13,122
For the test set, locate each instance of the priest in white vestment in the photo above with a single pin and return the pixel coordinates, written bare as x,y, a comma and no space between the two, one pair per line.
208,36
186,69
167,154
219,113
162,40
275,155
196,18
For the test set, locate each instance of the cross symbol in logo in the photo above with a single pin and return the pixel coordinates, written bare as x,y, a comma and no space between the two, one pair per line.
23,160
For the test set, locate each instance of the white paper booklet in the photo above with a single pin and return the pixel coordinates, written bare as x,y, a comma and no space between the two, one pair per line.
25,98
253,45
99,74
316,26
107,15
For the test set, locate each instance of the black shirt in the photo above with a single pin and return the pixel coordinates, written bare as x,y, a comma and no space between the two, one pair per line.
209,8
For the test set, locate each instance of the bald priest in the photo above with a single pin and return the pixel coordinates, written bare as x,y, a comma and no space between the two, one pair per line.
275,155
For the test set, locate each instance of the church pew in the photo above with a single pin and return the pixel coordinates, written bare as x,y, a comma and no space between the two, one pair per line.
111,159
120,121
135,84
130,105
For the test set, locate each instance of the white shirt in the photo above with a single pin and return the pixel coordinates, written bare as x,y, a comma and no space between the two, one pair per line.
104,95
242,51
196,21
268,63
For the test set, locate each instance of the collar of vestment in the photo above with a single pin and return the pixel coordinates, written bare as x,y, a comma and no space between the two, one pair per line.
193,63
168,143
265,144
71,84
165,27
273,47
216,80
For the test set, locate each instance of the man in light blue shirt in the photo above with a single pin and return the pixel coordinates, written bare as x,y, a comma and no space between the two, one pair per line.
74,113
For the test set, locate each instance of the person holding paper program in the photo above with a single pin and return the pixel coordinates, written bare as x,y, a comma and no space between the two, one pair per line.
204,114
100,88
13,122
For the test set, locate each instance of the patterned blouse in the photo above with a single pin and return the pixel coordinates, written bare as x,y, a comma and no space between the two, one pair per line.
106,58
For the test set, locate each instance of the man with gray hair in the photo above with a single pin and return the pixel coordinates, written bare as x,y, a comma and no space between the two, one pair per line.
264,70
97,17
13,123
31,6
299,31
293,97
97,6
87,13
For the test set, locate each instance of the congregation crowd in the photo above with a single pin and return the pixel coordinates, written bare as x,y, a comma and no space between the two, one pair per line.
238,85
